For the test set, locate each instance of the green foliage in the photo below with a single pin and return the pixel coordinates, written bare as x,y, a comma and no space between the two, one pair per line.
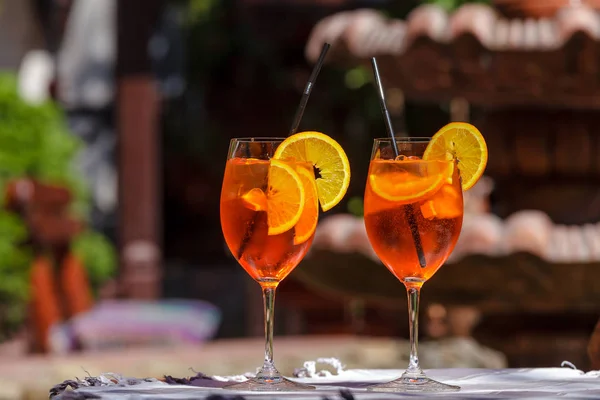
98,255
14,272
200,11
35,142
356,206
357,77
451,5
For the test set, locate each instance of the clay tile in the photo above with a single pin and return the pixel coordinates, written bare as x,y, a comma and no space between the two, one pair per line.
515,33
501,34
530,34
328,30
427,20
570,20
361,32
547,37
476,19
388,39
397,37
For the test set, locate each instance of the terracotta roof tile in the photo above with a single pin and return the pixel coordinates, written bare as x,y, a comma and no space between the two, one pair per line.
573,19
337,26
367,33
428,20
476,19
474,53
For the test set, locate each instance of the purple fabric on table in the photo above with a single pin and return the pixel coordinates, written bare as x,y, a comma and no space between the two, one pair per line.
476,384
206,381
122,323
198,380
90,381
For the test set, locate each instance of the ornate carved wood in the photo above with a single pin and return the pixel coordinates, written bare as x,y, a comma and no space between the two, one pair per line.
539,84
59,284
476,54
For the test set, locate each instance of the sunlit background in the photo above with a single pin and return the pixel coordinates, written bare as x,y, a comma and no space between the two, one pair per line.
115,120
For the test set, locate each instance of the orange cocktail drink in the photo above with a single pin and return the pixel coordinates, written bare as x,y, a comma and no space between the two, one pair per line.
429,193
269,213
413,217
268,254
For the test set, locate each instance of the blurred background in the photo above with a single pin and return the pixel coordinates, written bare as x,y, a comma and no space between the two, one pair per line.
115,120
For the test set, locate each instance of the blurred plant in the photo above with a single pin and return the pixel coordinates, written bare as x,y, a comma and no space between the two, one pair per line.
97,254
35,143
451,5
356,206
200,11
14,273
357,77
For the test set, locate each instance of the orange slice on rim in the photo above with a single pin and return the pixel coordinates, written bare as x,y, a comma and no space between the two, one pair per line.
464,143
307,224
327,156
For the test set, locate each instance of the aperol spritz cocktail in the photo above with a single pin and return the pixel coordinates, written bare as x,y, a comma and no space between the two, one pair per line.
402,195
413,217
268,257
269,212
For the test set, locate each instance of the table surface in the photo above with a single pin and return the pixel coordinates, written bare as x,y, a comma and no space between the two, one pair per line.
221,357
537,383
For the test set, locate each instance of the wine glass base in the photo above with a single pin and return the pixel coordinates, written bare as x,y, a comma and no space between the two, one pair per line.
269,384
413,384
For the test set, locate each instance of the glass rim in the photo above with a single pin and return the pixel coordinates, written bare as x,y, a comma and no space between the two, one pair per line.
392,160
258,139
415,139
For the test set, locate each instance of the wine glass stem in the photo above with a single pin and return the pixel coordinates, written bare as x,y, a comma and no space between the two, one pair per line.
269,301
413,293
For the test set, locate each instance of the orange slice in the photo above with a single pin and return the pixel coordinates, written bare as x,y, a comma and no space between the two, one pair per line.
407,187
464,143
256,200
285,198
327,156
444,204
307,224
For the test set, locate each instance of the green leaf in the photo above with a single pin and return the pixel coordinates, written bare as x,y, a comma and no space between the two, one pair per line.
97,254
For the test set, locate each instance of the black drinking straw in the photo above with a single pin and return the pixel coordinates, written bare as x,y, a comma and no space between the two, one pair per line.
295,124
409,212
308,88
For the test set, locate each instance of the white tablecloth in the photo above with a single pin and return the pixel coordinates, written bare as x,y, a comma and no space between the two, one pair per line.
538,383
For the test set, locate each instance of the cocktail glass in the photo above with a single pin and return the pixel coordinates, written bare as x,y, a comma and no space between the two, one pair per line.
268,257
413,217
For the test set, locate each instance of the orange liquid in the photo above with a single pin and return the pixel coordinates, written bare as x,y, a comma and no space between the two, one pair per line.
268,259
438,217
